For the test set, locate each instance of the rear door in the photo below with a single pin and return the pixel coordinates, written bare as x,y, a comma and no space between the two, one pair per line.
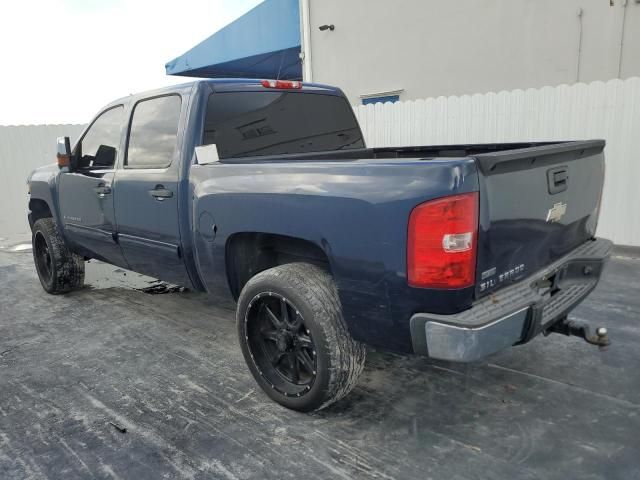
86,193
536,205
146,200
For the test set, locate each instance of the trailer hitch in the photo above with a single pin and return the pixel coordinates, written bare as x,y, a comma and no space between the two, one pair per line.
581,329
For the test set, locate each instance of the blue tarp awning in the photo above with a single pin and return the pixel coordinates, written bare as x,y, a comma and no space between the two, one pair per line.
263,43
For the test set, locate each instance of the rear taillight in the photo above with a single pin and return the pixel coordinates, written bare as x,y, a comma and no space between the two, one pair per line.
441,244
282,84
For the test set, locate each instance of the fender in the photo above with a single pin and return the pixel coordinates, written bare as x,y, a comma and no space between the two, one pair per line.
44,186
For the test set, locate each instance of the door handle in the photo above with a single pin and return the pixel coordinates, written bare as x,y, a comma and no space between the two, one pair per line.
102,190
160,193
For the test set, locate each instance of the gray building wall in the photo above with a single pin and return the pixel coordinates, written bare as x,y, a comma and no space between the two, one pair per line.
430,48
22,149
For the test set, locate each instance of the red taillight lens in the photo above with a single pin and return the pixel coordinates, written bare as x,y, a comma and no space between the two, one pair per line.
441,245
283,84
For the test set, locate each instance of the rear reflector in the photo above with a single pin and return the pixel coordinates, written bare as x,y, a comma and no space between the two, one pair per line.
441,244
282,84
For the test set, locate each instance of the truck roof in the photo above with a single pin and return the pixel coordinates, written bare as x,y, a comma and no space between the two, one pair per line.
225,84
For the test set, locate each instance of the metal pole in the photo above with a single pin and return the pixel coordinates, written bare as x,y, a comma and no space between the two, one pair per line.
305,34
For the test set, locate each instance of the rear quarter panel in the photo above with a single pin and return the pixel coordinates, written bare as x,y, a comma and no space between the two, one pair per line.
355,211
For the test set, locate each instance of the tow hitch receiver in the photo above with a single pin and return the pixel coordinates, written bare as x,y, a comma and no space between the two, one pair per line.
581,329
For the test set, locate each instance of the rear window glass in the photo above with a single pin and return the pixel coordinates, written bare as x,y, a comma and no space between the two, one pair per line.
243,124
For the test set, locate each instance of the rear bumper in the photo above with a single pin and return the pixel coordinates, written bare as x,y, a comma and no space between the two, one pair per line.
514,314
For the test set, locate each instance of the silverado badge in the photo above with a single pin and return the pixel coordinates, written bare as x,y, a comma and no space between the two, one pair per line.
556,212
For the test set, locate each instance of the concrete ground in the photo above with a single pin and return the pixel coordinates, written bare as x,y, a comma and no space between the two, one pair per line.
76,371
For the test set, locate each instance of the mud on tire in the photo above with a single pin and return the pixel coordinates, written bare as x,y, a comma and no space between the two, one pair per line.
309,296
59,269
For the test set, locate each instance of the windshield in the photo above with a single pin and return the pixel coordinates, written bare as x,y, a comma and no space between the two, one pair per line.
270,123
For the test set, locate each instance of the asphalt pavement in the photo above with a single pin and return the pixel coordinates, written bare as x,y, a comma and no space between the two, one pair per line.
129,379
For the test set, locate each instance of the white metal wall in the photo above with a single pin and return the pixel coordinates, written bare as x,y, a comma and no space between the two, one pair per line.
22,149
608,110
429,48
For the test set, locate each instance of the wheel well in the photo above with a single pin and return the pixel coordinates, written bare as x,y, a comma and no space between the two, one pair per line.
250,253
39,209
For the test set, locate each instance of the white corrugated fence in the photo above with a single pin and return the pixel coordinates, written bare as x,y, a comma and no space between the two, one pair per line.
608,110
22,149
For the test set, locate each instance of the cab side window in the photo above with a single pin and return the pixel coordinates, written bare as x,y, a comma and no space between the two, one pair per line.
99,146
153,134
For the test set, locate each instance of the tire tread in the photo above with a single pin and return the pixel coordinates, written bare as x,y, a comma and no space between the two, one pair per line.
68,267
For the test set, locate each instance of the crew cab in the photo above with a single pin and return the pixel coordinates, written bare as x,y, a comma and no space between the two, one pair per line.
265,191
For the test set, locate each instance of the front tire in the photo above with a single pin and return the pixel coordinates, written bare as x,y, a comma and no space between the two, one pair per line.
294,338
59,269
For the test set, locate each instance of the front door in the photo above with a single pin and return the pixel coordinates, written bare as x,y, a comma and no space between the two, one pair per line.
86,193
146,202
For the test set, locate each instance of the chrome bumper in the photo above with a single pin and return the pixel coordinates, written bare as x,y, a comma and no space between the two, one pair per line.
514,314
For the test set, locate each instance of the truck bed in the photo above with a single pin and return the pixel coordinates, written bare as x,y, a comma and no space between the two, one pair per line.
489,155
524,224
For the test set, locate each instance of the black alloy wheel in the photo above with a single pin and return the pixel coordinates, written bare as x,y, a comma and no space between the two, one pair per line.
280,344
294,339
43,256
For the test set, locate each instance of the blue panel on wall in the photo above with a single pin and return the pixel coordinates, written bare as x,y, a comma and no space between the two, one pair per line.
263,43
384,99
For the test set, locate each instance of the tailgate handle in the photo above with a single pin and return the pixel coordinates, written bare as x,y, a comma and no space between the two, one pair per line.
557,179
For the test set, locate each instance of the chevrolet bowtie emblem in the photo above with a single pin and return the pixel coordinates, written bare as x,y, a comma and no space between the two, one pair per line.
556,212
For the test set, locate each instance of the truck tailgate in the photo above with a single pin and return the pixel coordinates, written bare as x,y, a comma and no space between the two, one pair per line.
536,205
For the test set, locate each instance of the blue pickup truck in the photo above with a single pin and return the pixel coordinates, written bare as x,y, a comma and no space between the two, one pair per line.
265,191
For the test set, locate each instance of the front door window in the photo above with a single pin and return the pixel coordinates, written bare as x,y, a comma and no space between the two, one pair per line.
98,149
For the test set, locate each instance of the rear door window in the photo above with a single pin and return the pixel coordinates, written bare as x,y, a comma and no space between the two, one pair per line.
153,135
245,124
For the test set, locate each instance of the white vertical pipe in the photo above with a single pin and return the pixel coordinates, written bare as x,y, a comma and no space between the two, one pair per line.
305,38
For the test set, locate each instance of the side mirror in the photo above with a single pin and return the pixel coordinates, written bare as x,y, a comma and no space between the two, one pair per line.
64,152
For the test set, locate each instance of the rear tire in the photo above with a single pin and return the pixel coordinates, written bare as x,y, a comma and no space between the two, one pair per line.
59,269
294,338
